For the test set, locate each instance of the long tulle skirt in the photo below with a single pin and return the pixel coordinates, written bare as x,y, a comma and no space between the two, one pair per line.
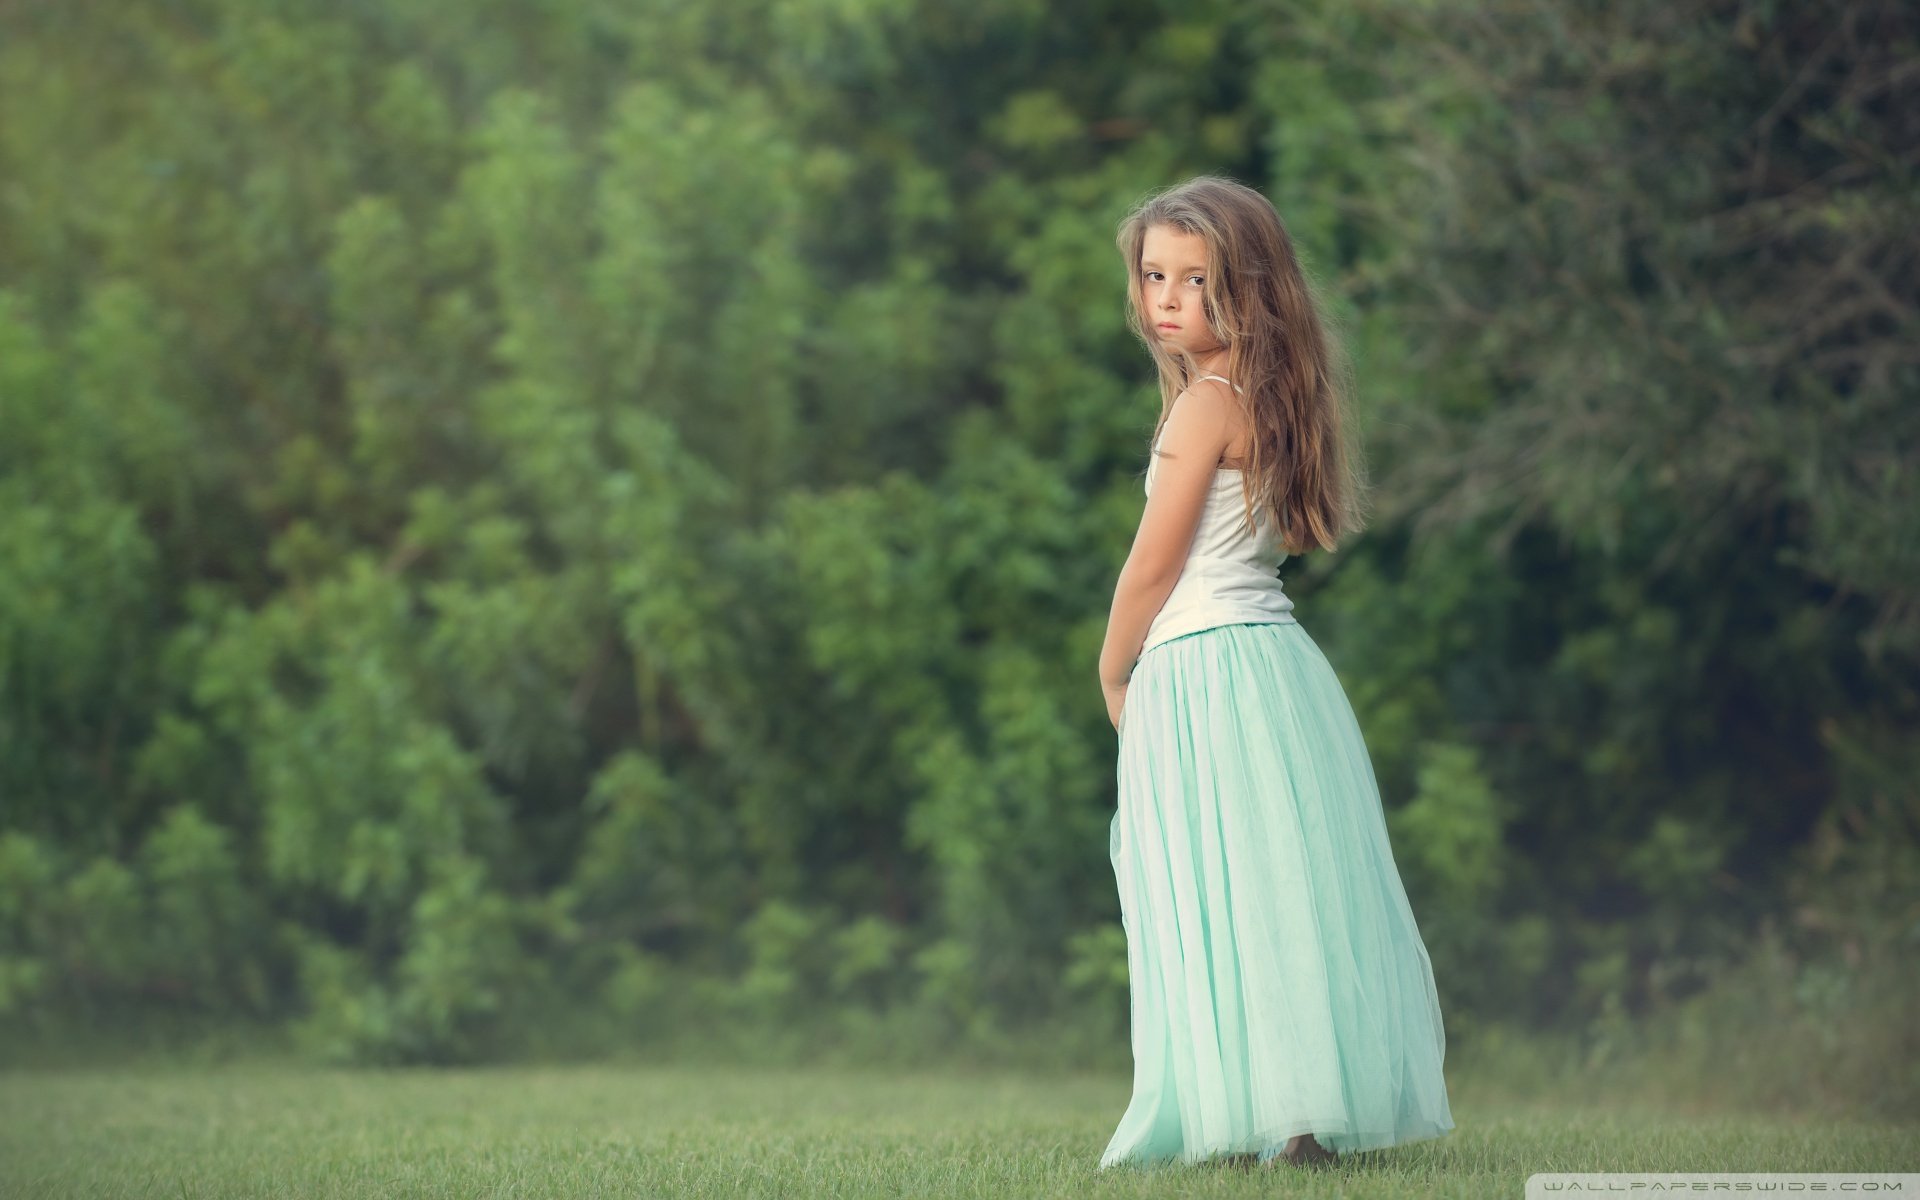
1279,984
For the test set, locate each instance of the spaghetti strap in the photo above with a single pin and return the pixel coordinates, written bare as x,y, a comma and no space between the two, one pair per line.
1230,383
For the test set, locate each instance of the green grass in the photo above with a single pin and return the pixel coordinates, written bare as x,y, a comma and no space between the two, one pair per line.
255,1131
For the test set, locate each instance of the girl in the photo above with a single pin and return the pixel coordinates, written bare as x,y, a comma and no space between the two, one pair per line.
1283,1003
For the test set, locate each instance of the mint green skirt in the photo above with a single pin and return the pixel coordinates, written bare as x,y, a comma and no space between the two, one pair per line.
1278,982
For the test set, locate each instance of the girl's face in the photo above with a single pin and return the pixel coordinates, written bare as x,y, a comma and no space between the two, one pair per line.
1172,275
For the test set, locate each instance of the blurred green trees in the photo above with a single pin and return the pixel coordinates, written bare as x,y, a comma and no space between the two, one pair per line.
612,510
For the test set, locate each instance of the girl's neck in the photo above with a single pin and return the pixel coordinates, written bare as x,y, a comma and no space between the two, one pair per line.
1214,364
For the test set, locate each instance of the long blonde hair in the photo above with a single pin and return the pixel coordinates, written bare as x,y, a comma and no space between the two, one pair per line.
1304,468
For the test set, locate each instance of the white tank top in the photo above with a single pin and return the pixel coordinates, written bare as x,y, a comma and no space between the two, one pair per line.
1231,576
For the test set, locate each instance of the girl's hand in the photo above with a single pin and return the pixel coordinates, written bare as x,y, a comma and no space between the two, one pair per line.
1116,695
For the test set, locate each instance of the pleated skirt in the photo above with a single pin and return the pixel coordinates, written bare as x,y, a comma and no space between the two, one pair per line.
1278,982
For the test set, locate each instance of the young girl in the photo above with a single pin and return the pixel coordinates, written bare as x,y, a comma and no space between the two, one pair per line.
1283,1003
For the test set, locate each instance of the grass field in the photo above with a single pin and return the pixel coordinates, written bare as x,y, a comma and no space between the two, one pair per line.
258,1131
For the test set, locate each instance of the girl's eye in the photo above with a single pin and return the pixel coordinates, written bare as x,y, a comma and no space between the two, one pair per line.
1202,280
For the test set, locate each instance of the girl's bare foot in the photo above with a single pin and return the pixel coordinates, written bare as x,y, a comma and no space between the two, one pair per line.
1306,1151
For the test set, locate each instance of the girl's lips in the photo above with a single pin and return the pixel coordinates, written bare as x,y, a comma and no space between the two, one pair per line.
1167,325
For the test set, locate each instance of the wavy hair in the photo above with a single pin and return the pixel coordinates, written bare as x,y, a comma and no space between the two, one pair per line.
1303,467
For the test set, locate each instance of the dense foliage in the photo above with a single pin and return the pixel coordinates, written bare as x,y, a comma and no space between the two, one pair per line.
611,508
